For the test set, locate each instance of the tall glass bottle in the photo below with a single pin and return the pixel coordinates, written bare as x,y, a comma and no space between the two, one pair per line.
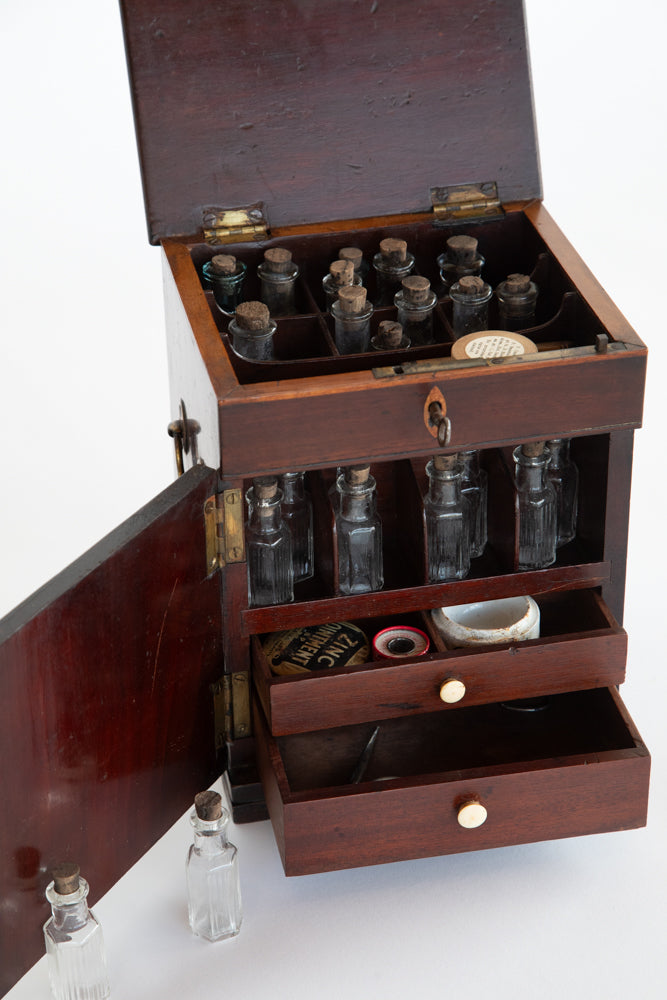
470,305
75,954
358,533
297,512
447,520
269,546
474,486
212,872
535,507
564,476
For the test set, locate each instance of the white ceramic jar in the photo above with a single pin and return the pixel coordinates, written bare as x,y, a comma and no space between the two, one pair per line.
509,619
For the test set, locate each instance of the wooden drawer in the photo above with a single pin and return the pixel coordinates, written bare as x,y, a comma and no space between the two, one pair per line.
576,766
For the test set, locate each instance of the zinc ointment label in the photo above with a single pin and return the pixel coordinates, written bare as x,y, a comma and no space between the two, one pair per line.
316,647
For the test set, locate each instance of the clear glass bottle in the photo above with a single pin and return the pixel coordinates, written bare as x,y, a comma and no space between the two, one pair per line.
447,520
474,486
268,546
535,507
392,263
225,275
390,337
470,305
358,533
75,955
517,298
341,274
212,872
564,477
352,320
277,275
297,512
459,260
355,254
251,330
415,303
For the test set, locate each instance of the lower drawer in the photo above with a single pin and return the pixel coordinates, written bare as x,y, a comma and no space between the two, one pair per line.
565,766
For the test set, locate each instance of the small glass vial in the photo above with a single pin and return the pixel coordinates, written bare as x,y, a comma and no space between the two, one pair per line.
278,274
297,512
392,264
459,260
415,303
390,337
252,330
352,320
535,507
447,521
341,275
517,297
358,533
564,477
474,486
75,954
470,305
356,256
225,275
269,546
212,872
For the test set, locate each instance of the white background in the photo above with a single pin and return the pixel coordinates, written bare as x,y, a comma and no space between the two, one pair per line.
83,415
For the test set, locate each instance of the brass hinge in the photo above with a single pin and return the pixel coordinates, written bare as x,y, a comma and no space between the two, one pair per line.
235,225
466,201
225,538
231,707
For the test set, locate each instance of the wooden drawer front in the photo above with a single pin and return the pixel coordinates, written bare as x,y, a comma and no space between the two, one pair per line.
591,654
583,770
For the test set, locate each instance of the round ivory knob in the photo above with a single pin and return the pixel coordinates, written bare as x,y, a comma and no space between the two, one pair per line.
452,690
471,814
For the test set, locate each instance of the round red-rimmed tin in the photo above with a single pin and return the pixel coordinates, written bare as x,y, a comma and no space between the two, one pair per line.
398,642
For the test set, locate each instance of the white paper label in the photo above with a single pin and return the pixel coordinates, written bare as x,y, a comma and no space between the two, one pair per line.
493,347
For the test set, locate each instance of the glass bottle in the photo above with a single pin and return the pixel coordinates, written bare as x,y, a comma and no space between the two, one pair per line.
356,256
535,507
269,546
392,263
75,954
352,320
415,303
277,275
517,298
225,275
459,260
297,512
390,337
358,532
564,477
212,872
474,486
341,274
251,330
470,305
447,520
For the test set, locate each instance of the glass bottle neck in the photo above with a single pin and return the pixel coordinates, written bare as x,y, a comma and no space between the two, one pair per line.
70,911
559,451
292,487
444,486
210,836
264,514
357,503
530,471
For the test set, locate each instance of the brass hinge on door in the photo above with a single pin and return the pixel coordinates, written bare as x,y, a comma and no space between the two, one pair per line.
231,707
466,202
225,538
235,225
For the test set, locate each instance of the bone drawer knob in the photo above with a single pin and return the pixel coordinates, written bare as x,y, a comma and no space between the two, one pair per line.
452,690
471,814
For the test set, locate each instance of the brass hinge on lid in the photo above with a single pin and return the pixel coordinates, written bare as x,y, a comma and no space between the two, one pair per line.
466,201
235,225
223,522
231,707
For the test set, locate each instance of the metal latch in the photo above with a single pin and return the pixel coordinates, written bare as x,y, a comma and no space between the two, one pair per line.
466,201
231,707
235,225
225,538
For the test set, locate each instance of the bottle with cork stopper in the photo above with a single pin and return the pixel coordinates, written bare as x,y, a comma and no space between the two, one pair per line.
252,330
352,320
390,337
470,305
225,275
392,263
517,299
268,546
212,872
535,507
447,521
415,303
75,954
358,532
277,275
341,275
355,254
459,260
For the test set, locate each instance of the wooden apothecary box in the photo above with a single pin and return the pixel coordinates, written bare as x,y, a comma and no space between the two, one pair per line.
381,116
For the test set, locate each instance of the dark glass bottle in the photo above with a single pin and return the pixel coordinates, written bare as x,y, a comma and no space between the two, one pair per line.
268,546
459,260
517,298
297,512
447,520
225,275
564,477
535,507
390,337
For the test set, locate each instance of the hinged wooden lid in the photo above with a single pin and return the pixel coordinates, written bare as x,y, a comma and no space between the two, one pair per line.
326,110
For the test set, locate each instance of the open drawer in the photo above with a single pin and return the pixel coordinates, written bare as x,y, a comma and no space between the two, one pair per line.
581,646
572,765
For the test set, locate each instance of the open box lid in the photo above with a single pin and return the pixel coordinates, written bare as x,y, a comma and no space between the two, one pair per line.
326,111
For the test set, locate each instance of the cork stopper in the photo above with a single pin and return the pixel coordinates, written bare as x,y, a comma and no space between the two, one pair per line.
445,463
208,805
252,316
65,878
352,300
266,487
223,263
278,260
533,449
517,284
462,249
416,289
394,251
471,285
352,253
390,334
357,475
342,272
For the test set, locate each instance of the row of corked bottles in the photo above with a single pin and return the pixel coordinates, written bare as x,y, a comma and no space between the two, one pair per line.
279,530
